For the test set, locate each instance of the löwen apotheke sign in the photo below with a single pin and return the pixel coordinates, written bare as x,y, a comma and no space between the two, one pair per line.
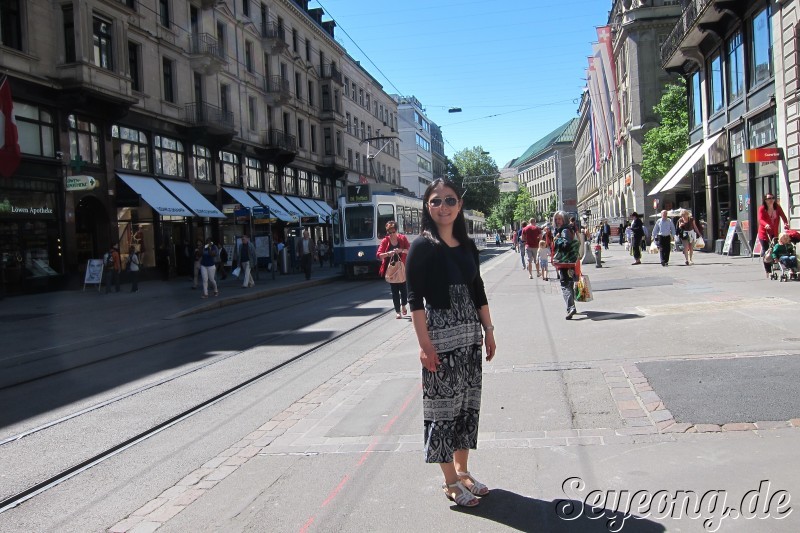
81,183
27,205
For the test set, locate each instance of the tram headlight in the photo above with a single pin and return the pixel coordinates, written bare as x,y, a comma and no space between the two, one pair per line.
361,253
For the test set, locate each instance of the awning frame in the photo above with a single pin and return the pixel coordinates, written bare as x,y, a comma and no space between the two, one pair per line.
682,167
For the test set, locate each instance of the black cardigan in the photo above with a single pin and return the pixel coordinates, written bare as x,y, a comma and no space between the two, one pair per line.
427,277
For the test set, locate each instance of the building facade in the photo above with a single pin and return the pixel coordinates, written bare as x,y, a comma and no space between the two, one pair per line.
416,153
725,51
786,33
437,152
547,170
154,123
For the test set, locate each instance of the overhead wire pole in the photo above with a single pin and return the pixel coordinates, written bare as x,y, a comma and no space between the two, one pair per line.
370,156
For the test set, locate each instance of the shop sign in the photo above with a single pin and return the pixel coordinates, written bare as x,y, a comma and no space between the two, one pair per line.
30,207
230,208
81,183
763,155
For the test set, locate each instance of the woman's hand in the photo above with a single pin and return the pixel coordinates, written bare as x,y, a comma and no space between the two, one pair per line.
429,358
767,227
491,347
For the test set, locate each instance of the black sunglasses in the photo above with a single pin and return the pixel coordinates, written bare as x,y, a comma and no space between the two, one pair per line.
770,197
437,202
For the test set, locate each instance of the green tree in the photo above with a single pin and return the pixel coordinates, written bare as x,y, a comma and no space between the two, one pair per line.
502,213
523,206
552,207
477,172
664,144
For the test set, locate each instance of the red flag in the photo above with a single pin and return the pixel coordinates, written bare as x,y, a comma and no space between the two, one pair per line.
10,155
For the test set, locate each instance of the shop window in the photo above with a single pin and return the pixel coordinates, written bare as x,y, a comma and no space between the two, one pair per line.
761,50
252,169
169,156
231,173
35,127
135,229
131,148
84,140
201,161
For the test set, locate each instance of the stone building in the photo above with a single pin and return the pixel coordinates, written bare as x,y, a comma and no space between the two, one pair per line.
416,153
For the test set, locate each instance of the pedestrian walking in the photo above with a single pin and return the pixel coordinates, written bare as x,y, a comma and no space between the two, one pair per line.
621,235
207,268
113,265
305,253
245,257
330,254
542,258
606,234
322,252
663,233
448,308
770,214
133,268
198,254
223,262
637,237
568,247
688,232
395,244
522,243
531,236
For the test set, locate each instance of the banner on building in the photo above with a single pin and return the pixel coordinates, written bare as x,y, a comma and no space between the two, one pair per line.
10,155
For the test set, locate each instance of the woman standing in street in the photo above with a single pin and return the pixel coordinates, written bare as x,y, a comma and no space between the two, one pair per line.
207,269
688,233
448,308
637,235
392,244
770,215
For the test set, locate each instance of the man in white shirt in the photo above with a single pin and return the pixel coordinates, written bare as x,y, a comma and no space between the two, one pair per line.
305,252
664,232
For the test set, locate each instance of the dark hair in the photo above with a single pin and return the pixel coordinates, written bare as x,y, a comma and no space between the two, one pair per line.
764,201
429,229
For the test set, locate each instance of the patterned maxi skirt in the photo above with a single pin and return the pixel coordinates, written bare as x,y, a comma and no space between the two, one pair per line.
451,396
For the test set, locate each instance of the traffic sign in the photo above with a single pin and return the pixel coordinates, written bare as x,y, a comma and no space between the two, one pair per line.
81,183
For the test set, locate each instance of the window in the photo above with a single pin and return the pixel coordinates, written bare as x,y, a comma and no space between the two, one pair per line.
423,143
35,128
361,96
163,13
248,56
308,50
716,96
134,66
298,85
11,24
349,158
169,87
252,169
289,184
354,91
301,130
272,178
246,8
132,147
761,62
169,156
367,104
355,126
358,162
230,168
103,43
69,32
294,40
252,113
221,39
346,86
423,164
735,67
327,141
224,98
304,184
316,186
347,120
311,93
695,109
313,138
84,140
339,149
201,161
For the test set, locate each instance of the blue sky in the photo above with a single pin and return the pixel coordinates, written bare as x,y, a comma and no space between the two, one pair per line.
515,68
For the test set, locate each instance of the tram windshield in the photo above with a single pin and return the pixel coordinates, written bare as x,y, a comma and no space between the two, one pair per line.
385,214
359,222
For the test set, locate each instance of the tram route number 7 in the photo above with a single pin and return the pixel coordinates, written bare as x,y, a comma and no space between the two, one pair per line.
358,193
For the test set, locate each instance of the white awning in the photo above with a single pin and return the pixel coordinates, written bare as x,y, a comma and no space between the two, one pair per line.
299,204
275,208
187,194
242,197
311,204
324,208
156,196
287,206
684,165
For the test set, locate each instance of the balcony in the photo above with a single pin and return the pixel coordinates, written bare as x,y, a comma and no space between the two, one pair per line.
330,72
210,123
279,147
699,19
277,90
333,166
86,86
205,54
273,37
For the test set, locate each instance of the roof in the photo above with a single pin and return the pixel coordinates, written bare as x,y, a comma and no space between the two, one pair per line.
562,134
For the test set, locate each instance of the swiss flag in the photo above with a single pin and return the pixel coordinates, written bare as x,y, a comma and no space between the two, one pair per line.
9,136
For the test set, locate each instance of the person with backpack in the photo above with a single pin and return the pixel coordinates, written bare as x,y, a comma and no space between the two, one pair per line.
112,265
568,247
133,268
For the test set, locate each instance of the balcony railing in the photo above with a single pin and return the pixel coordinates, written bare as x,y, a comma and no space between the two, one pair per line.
273,31
276,85
330,72
279,139
204,114
694,10
206,44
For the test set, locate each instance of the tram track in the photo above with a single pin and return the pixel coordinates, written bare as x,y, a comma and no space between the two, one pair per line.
32,491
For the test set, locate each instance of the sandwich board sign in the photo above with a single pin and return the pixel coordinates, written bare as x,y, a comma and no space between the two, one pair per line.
94,273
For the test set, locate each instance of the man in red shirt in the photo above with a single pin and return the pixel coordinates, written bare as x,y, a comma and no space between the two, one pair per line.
531,236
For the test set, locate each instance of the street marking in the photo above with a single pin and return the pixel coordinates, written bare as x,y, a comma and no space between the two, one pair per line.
703,307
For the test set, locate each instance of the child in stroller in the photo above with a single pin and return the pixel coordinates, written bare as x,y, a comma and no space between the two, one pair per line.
783,254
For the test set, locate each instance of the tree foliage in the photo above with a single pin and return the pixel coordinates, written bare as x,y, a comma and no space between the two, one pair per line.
666,143
502,213
523,205
475,171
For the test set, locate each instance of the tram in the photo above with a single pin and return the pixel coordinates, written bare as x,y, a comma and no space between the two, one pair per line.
360,225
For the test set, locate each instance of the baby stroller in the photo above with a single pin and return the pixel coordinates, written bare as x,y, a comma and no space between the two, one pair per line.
782,269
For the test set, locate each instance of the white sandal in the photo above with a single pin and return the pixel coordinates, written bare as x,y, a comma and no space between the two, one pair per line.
477,488
463,497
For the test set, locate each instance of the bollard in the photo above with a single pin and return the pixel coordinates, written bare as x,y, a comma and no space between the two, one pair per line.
587,257
598,252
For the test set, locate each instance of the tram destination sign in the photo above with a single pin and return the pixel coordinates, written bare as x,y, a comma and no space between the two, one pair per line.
81,183
358,193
